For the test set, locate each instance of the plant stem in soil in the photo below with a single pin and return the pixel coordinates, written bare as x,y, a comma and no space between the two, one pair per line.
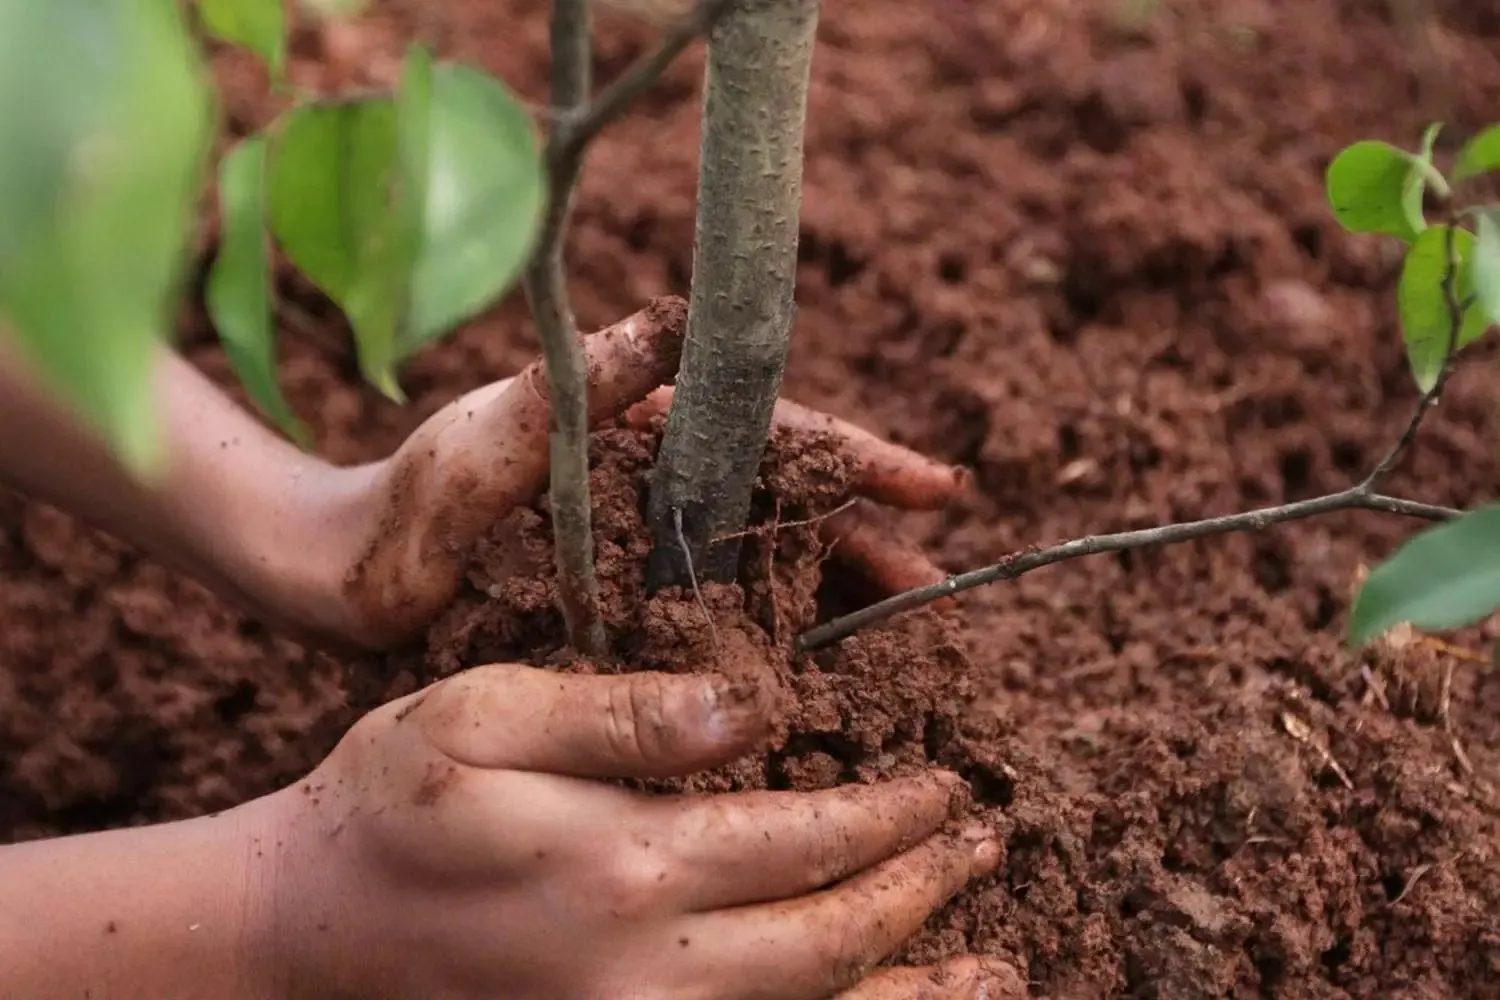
546,290
744,277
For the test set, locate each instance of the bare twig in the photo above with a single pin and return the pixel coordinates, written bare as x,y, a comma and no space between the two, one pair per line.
1361,496
580,126
1355,497
575,122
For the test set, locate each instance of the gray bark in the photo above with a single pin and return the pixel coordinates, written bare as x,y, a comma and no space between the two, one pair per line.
744,275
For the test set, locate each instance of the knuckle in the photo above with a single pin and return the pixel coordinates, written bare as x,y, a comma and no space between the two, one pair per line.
829,854
632,883
635,726
849,954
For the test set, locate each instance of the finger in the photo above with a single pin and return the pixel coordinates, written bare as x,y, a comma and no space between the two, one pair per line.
644,725
819,944
888,473
502,431
887,559
755,847
967,978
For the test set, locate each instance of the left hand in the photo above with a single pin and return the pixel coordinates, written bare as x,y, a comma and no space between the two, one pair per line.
418,513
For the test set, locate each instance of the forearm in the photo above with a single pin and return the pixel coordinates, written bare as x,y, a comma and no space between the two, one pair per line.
171,912
232,509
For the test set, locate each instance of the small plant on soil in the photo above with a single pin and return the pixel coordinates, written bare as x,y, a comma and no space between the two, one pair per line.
1448,296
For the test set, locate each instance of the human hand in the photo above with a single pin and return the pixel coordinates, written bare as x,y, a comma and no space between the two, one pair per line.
410,522
457,844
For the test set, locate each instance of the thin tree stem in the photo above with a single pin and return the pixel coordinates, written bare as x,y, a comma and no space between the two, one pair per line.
567,379
1023,562
744,276
575,124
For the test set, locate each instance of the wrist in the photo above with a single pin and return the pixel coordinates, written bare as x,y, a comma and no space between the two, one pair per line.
288,559
168,911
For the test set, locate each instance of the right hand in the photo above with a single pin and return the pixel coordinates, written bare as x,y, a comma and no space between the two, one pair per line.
462,843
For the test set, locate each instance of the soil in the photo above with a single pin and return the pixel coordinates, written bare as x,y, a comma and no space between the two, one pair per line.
1092,261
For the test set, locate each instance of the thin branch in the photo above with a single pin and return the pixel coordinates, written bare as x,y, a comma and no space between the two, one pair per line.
1353,498
577,121
580,126
567,380
1361,496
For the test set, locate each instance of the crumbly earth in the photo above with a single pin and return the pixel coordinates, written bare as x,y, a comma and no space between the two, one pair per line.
1089,258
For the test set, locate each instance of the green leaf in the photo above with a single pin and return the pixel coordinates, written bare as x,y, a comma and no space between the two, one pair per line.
258,25
1444,577
333,174
239,284
1479,155
1373,187
1426,320
486,191
412,213
105,123
1484,270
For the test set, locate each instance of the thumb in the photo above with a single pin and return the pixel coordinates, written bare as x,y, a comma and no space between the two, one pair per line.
643,725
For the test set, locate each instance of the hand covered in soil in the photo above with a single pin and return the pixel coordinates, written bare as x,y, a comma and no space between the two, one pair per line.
418,514
459,843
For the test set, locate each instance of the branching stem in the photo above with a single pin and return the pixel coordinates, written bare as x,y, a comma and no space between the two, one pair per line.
1363,495
577,122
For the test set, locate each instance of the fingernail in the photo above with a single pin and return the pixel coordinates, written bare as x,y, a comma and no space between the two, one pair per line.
984,849
733,709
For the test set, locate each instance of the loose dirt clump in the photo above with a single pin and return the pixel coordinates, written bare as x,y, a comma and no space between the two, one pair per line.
1091,260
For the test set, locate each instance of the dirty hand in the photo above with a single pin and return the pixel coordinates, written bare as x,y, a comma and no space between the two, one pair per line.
415,517
458,844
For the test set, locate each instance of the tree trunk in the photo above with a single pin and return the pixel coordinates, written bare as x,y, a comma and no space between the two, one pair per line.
744,276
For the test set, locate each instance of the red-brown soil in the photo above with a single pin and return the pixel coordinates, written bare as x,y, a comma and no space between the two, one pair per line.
1095,265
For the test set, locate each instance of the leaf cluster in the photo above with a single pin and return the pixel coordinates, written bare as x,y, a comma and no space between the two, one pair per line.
1448,296
411,210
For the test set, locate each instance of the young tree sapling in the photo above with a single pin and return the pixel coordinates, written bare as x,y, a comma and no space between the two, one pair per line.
744,275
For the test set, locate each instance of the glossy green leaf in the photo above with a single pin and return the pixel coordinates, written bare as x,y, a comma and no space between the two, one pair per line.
239,284
486,191
411,212
332,182
1484,270
105,118
1479,155
1444,577
258,25
1370,189
1426,318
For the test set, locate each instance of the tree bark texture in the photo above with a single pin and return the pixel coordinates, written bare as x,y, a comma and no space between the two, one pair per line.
744,276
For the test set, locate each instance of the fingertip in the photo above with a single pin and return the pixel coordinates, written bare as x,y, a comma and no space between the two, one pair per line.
738,714
629,359
641,415
984,849
899,477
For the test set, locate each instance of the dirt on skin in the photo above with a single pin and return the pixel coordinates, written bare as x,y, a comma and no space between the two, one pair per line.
1094,263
